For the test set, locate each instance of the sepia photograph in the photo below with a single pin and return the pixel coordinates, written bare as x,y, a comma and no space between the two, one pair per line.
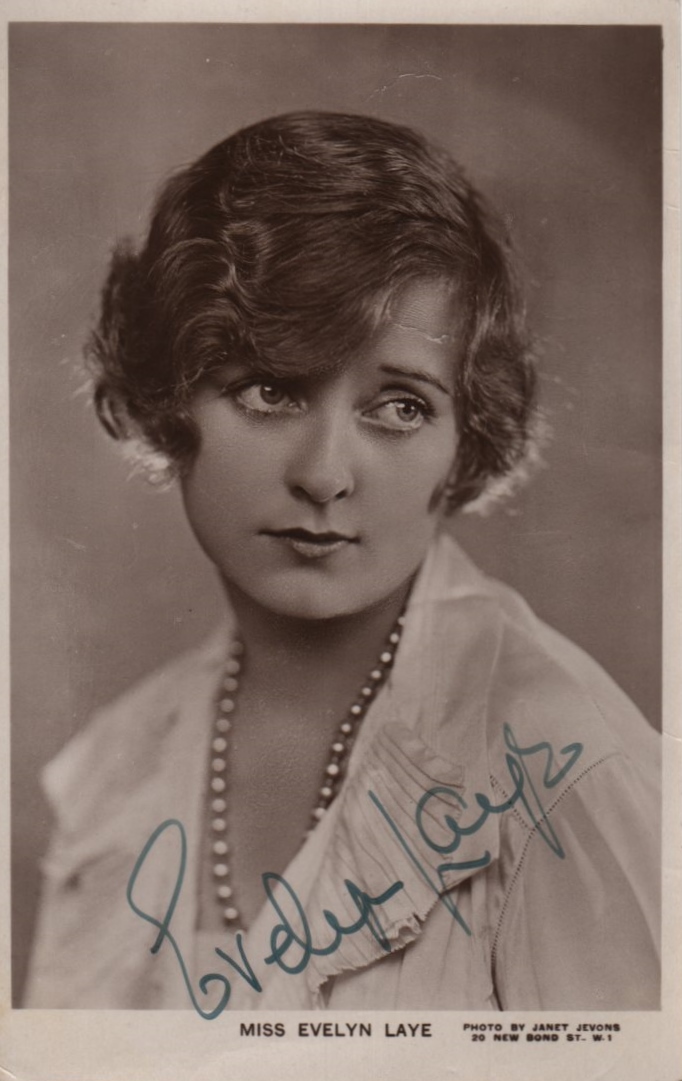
337,521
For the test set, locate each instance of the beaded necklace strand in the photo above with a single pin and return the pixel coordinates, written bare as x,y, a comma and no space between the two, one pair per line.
333,772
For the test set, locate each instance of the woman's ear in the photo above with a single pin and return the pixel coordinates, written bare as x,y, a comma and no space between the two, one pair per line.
443,494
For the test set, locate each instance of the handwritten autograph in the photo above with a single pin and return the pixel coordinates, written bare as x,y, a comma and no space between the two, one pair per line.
291,948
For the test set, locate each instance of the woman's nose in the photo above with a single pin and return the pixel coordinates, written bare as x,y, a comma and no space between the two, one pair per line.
321,469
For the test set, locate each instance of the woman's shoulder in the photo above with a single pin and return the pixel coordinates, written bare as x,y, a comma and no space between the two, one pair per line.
550,689
524,680
116,748
161,692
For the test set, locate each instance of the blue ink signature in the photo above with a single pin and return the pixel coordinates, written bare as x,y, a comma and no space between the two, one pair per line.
524,793
284,937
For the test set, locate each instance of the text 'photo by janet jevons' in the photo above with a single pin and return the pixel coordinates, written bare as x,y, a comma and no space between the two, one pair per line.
343,558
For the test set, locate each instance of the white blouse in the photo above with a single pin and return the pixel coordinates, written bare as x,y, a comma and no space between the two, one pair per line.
495,844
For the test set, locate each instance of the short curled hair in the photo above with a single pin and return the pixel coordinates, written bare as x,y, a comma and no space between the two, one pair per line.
283,246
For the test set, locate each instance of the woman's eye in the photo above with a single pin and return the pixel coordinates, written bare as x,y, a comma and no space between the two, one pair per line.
401,414
265,398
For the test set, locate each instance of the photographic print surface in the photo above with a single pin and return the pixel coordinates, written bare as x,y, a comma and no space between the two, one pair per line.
484,778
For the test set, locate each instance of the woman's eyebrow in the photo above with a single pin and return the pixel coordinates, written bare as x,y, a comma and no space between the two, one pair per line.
420,376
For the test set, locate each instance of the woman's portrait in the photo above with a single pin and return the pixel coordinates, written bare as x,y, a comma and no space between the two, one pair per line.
336,507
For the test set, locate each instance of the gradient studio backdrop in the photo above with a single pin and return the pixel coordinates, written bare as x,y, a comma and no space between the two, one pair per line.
560,126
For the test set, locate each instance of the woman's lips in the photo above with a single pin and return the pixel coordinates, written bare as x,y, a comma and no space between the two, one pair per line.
312,545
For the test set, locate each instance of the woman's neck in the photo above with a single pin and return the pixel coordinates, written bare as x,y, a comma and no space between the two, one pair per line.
312,665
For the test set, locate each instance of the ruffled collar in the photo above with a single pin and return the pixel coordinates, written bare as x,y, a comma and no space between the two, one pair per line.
420,759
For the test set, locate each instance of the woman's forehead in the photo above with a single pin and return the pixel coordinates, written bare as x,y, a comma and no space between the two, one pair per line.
425,308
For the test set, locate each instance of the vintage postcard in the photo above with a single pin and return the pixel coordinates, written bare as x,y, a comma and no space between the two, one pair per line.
342,709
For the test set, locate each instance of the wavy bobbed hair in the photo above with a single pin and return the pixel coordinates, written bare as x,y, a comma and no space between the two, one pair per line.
284,246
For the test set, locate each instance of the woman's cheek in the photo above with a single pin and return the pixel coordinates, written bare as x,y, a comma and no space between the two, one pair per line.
421,482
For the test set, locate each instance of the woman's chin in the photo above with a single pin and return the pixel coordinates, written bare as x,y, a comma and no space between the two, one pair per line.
314,607
315,603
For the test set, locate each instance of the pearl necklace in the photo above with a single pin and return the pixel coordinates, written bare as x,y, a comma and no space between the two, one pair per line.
333,773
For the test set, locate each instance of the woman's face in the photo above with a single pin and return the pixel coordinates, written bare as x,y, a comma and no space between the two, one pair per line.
318,496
